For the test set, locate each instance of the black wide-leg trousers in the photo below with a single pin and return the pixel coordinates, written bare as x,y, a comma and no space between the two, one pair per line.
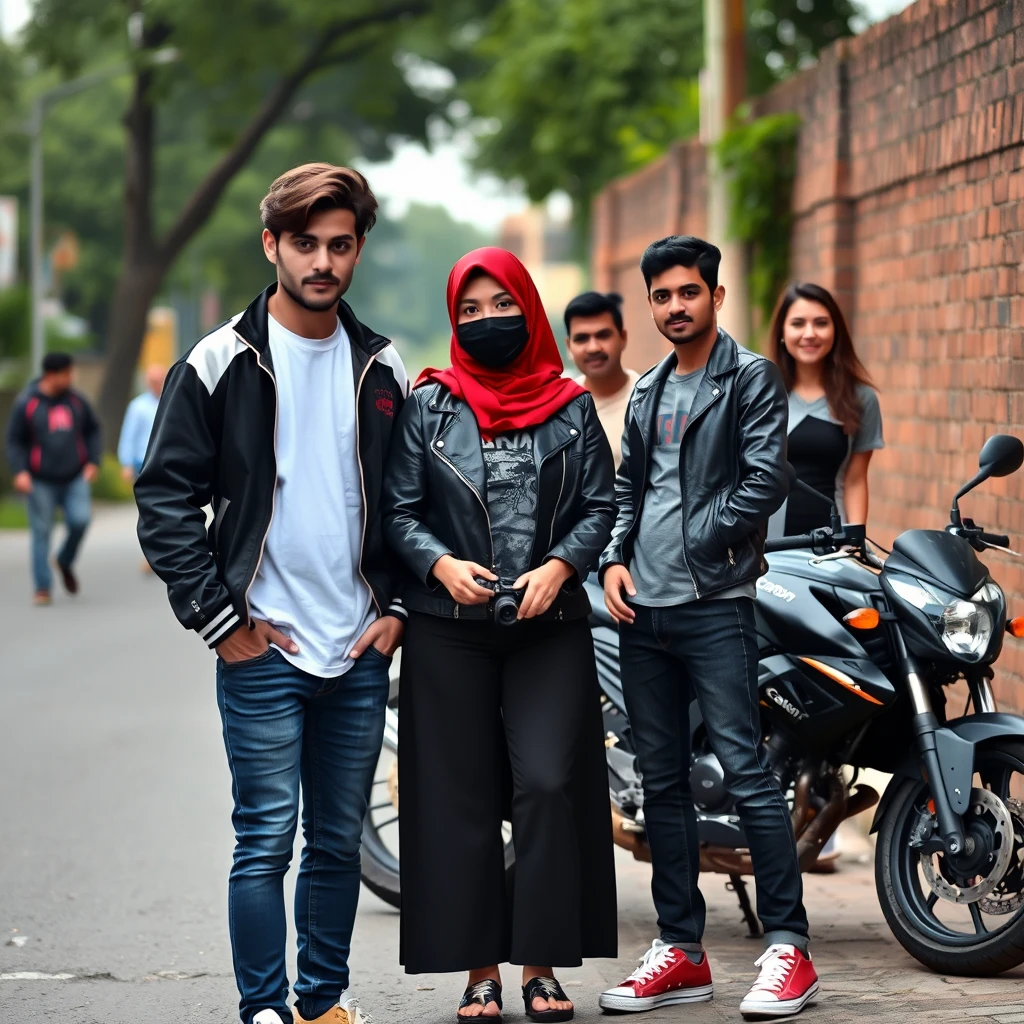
502,723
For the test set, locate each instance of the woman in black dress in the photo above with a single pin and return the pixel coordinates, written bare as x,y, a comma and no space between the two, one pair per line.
835,423
500,477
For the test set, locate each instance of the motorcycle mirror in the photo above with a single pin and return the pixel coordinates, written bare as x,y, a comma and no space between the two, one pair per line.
1002,455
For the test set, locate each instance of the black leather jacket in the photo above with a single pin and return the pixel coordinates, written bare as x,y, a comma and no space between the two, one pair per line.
732,463
434,501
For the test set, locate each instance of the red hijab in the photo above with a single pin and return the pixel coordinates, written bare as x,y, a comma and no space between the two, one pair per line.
529,390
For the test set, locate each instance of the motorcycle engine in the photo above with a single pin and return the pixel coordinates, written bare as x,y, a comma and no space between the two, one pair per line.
707,784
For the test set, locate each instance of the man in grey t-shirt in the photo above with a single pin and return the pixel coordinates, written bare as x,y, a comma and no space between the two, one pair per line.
703,468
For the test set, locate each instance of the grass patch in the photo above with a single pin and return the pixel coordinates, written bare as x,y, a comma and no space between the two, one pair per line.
13,514
109,485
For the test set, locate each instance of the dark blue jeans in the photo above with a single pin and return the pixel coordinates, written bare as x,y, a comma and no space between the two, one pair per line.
706,650
75,500
283,727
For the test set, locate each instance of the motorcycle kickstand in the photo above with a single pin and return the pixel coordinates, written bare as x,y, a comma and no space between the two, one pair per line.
738,886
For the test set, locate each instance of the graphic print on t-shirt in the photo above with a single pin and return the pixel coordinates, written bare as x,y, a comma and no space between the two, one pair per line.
671,426
511,502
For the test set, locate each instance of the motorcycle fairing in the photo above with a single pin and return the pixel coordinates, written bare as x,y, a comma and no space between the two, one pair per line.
939,557
817,699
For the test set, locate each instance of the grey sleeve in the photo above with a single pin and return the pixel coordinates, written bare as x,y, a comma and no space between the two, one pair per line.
869,434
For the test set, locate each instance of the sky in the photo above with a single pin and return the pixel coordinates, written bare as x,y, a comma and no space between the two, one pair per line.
441,176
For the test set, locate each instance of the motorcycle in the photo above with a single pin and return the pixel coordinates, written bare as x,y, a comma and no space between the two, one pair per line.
855,655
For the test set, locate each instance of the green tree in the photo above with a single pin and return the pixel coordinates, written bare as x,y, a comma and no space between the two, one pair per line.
220,76
579,92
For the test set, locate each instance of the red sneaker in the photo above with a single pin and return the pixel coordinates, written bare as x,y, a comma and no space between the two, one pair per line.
786,984
665,976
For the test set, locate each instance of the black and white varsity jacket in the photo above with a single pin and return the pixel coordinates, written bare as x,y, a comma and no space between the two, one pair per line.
213,443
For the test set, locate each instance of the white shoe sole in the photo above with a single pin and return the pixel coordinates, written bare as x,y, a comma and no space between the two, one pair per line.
751,1009
633,1004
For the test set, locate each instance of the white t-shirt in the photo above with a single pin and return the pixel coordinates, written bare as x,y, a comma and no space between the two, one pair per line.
308,584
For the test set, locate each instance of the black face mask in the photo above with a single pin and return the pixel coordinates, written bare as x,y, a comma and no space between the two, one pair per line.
494,341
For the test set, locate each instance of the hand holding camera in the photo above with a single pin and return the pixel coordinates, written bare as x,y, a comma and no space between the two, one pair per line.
461,579
542,585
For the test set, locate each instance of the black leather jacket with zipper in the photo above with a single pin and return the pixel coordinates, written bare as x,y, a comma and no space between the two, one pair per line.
732,466
213,443
435,497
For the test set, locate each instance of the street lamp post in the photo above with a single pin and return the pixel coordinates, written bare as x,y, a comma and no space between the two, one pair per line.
40,105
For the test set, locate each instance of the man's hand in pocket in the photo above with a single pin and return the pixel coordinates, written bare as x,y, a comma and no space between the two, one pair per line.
245,644
385,634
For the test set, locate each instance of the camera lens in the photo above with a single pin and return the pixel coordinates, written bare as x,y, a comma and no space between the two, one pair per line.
506,610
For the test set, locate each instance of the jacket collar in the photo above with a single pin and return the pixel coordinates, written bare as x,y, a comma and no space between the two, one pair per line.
722,360
459,436
252,326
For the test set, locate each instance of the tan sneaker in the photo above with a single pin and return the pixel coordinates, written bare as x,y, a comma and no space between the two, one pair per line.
348,1011
42,599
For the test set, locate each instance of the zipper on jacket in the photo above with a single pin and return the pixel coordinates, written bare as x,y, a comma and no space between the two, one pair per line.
483,504
732,561
362,485
273,493
558,501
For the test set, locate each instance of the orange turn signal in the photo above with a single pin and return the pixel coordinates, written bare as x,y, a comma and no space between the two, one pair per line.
862,618
1015,627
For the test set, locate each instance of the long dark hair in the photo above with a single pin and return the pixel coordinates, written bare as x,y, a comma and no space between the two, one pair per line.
843,369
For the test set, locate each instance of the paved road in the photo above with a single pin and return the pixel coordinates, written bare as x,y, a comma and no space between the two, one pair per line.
116,840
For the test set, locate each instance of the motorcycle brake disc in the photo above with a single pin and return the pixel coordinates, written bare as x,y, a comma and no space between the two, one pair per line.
982,802
1007,898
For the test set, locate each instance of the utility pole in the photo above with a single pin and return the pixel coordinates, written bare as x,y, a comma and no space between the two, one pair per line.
723,87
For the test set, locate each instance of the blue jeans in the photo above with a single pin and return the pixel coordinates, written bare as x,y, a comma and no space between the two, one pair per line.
706,650
74,499
283,727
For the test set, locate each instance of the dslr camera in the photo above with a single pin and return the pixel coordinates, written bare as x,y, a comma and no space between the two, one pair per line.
503,608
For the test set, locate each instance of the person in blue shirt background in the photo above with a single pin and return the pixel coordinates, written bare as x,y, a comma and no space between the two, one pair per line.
138,423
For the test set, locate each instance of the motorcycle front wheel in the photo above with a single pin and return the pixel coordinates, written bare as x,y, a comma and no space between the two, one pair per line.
936,916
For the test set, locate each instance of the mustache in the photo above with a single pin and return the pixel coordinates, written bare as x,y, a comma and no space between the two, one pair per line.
320,279
597,357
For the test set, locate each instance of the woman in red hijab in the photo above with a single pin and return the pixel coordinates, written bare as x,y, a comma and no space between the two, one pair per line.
499,497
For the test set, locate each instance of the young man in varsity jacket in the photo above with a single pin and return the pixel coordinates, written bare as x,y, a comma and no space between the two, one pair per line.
280,420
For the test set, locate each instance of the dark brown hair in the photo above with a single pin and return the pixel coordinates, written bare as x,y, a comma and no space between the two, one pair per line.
843,369
299,193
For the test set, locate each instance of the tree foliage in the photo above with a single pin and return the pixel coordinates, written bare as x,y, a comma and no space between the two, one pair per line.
581,91
207,84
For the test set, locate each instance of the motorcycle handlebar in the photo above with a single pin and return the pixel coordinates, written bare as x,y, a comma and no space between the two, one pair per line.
999,540
803,540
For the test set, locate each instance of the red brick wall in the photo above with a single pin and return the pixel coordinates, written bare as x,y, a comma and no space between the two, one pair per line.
909,203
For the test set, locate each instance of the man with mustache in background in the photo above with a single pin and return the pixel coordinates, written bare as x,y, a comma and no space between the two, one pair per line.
703,467
596,340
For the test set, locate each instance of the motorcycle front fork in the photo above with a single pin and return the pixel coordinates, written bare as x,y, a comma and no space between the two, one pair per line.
926,725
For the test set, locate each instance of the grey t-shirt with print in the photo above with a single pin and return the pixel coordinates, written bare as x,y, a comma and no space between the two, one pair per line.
659,567
511,502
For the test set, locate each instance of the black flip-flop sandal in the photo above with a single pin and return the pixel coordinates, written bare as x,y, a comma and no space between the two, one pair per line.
546,988
483,992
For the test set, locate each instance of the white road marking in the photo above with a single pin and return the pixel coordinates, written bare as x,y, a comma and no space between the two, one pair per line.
35,976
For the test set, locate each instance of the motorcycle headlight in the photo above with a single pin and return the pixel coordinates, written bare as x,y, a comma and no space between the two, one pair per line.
965,627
